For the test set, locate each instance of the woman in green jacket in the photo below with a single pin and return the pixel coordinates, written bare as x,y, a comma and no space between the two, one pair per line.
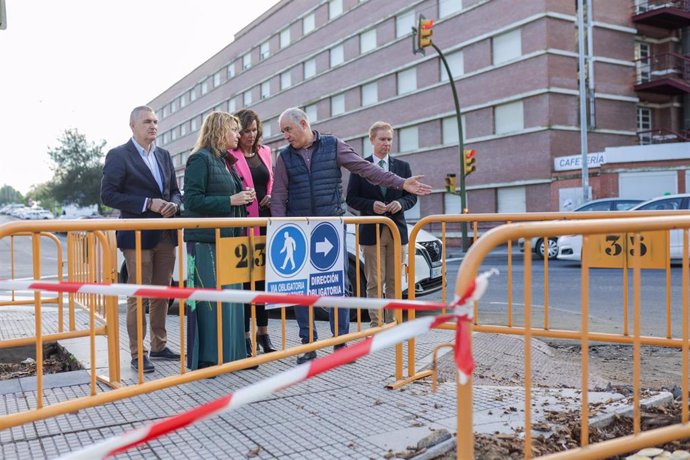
212,188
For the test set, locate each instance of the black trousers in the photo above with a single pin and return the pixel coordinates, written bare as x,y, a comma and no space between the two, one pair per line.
261,314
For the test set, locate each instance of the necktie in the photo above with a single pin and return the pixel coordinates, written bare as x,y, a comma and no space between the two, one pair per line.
382,164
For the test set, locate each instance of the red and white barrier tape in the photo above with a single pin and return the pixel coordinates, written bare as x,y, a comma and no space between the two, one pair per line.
214,295
267,387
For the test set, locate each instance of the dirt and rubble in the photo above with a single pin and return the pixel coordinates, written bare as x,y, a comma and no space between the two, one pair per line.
557,364
55,359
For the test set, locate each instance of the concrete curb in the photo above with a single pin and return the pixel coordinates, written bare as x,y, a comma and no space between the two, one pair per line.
619,410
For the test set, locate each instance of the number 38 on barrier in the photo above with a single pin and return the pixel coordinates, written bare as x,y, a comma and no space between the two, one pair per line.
618,250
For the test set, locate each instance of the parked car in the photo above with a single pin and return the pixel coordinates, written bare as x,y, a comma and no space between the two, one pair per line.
428,264
570,246
604,204
37,214
10,207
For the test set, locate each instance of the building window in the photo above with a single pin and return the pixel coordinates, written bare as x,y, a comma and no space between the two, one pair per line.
642,61
644,125
247,61
404,23
232,105
337,104
310,110
195,123
337,55
166,137
165,110
449,128
509,118
370,94
265,90
309,68
407,80
173,134
204,87
183,129
308,23
284,38
285,80
183,100
511,199
367,148
247,98
231,71
266,129
507,46
264,52
456,62
216,79
409,139
192,94
173,106
367,41
335,8
448,7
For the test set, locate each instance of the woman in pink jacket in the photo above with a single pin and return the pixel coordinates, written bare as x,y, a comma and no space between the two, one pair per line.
255,167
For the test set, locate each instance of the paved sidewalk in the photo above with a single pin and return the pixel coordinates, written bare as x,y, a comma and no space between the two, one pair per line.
345,413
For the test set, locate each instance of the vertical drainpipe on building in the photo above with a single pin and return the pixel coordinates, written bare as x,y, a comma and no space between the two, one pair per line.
590,67
686,97
583,98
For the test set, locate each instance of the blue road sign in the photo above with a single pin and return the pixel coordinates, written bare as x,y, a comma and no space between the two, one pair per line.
288,250
325,246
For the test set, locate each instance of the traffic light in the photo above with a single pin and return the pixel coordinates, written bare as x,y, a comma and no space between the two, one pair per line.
469,162
450,183
424,32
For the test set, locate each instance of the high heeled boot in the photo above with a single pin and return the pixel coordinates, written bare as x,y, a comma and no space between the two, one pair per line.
264,341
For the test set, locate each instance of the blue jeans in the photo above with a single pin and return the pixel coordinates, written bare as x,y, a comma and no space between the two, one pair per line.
302,313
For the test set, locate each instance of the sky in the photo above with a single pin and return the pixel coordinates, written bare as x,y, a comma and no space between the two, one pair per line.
84,64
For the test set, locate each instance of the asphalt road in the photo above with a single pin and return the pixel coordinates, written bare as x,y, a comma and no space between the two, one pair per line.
605,297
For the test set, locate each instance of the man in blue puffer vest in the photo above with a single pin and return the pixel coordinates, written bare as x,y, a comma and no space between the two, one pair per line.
308,182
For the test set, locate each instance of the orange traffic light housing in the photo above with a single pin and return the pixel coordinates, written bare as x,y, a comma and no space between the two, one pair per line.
470,162
424,32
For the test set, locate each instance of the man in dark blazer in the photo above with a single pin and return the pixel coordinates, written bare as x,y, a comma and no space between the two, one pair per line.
373,200
139,180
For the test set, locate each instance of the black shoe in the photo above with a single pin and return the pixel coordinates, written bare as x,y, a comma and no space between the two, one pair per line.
265,342
248,341
308,356
340,346
148,367
165,353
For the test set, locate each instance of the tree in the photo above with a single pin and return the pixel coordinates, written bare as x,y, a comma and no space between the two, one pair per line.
77,169
9,195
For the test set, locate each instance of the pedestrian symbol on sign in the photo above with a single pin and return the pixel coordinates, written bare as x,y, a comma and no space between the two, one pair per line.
288,250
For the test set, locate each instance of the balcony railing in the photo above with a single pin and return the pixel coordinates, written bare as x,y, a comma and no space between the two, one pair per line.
662,136
669,14
667,73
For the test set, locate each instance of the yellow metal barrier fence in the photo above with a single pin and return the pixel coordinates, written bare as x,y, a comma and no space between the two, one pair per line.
92,257
633,227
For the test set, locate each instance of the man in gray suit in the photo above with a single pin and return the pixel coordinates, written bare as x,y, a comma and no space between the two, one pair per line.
139,180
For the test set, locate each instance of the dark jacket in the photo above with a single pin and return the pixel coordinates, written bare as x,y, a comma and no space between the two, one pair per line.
126,184
361,195
319,191
207,189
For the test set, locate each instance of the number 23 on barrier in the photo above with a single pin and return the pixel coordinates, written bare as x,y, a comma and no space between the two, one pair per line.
238,260
617,250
